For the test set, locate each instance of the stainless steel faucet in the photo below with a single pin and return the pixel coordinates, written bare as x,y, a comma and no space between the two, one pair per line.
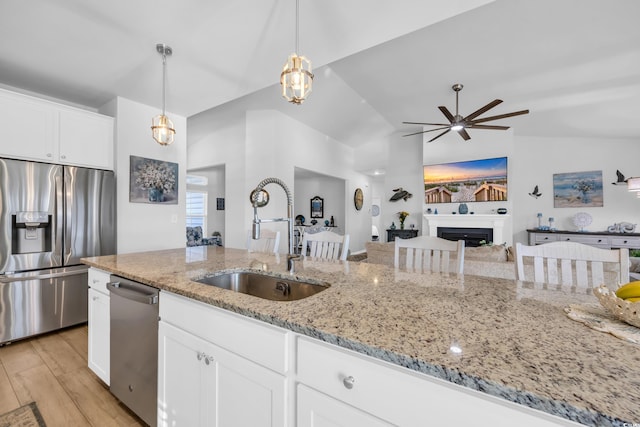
291,257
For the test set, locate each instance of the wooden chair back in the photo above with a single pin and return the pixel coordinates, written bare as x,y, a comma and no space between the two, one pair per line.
269,242
325,245
430,254
570,264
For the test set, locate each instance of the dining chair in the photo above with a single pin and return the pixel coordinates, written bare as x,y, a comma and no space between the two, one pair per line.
269,242
325,245
430,253
571,264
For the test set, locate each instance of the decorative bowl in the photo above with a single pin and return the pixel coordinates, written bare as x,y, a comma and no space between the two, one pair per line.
626,311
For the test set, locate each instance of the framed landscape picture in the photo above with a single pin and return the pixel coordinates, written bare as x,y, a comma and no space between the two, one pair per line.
577,189
482,180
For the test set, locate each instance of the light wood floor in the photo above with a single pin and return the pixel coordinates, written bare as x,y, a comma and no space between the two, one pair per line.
52,371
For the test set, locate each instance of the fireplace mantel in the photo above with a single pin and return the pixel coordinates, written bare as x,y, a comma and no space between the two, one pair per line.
495,222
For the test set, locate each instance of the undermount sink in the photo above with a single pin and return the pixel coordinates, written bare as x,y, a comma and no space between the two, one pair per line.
264,286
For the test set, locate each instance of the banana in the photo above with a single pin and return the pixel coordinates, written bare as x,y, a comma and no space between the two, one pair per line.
630,290
634,299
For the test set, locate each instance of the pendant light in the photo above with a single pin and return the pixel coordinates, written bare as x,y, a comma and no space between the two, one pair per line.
162,128
296,77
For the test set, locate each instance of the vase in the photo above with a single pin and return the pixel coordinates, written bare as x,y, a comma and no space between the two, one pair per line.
463,209
156,195
401,225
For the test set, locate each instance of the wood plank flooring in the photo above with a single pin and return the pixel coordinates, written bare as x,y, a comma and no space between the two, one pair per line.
52,370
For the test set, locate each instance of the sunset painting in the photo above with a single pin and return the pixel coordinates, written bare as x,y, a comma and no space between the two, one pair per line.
471,181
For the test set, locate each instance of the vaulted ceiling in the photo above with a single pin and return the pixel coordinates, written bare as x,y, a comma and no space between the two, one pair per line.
574,63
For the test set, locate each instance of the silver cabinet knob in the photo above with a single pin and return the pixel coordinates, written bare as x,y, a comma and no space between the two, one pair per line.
49,155
63,156
96,298
349,382
200,355
208,359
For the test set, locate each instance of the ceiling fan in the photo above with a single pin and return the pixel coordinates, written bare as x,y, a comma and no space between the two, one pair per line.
461,124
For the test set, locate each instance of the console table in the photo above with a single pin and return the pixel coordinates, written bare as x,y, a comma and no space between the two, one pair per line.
601,239
407,233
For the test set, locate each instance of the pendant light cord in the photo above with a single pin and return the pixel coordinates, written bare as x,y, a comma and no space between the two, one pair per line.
164,80
297,27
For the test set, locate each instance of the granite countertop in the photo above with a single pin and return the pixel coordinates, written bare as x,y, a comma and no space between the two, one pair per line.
498,336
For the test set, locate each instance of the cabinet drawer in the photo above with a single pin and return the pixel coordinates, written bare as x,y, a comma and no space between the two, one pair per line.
544,238
404,397
601,241
98,280
625,242
257,341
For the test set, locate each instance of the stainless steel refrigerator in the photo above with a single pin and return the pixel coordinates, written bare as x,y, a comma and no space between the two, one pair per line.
50,217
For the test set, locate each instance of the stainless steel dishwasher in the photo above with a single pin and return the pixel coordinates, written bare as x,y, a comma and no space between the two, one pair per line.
134,346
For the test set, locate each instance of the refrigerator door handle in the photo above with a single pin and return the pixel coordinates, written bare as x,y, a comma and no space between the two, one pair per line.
60,222
131,294
9,279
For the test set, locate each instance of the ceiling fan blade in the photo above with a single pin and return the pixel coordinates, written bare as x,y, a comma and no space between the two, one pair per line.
463,133
433,139
429,124
425,131
501,116
472,126
447,113
483,110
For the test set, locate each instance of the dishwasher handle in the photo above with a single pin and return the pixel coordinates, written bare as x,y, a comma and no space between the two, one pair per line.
131,294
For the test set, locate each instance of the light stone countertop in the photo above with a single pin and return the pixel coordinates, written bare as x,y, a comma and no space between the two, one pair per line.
516,341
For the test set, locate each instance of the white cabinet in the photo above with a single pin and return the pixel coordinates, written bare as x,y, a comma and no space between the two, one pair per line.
29,127
604,241
317,409
86,139
99,329
203,384
41,130
335,381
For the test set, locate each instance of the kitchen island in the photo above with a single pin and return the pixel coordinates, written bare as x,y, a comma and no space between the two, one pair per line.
500,337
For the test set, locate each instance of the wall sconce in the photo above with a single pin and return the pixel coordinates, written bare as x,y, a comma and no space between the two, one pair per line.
296,77
162,128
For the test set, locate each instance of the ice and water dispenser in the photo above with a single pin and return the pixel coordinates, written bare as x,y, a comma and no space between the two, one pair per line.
31,232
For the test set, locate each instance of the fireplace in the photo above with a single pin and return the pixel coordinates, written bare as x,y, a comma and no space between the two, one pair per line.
471,236
496,223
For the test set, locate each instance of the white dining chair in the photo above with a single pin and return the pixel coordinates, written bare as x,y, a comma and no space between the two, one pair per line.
325,245
269,242
430,254
571,264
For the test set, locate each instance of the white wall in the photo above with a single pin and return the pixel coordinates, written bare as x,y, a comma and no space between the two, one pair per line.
259,144
142,226
537,159
332,190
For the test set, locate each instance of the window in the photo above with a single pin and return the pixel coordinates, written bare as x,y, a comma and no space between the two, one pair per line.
197,209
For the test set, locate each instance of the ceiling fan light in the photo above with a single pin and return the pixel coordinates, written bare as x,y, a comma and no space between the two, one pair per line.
457,127
296,79
162,130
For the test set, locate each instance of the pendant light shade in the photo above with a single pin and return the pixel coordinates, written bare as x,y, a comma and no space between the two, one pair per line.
162,128
633,184
296,78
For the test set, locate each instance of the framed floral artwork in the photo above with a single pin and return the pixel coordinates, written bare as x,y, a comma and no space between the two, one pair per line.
152,181
577,189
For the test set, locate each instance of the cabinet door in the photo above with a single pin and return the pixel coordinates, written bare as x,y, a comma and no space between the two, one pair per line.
28,128
248,394
99,331
186,384
86,139
319,410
